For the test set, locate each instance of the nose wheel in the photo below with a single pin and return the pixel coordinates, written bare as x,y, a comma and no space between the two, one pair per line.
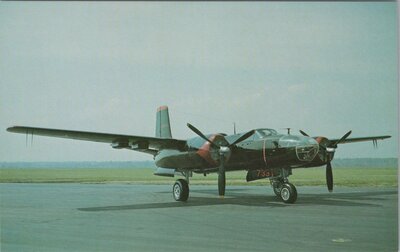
283,189
288,193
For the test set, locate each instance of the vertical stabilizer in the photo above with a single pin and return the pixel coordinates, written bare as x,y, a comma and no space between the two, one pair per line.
163,128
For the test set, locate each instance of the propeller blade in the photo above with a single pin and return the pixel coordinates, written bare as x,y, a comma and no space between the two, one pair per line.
304,133
221,176
242,138
221,183
198,132
329,176
222,151
342,139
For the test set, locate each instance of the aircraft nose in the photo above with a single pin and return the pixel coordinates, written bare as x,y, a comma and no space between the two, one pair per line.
306,147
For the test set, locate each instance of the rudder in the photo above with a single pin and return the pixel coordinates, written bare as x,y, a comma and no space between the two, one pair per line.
163,127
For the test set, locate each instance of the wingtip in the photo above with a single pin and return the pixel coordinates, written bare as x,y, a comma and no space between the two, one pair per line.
9,129
17,129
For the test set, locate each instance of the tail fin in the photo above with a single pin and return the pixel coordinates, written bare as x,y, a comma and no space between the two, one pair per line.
163,128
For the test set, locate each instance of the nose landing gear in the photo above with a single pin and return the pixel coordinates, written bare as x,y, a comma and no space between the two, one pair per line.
283,189
288,193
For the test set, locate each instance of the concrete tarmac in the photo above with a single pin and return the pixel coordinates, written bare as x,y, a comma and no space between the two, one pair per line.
120,217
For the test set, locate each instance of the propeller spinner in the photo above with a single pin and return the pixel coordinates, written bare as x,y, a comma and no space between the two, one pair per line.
329,150
224,150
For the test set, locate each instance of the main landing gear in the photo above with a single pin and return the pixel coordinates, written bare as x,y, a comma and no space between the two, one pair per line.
283,189
180,190
281,186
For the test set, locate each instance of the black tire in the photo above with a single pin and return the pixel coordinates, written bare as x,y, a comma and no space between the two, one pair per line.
180,190
288,193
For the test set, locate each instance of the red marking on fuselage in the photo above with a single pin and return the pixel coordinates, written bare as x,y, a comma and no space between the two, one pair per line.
264,154
271,173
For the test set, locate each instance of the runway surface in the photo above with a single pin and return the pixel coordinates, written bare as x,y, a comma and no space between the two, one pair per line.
117,217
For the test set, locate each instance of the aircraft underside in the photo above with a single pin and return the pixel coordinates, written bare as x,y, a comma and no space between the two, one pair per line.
278,178
277,168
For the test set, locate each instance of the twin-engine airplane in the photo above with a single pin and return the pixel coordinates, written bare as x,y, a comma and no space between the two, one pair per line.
262,152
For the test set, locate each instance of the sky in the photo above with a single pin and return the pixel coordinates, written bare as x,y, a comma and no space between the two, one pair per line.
325,68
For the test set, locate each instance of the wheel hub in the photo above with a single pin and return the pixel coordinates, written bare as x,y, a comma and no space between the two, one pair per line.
285,193
177,191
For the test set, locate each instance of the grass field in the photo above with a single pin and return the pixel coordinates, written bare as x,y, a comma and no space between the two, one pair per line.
376,177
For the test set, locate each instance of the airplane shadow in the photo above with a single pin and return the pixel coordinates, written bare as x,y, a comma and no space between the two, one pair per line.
375,199
270,201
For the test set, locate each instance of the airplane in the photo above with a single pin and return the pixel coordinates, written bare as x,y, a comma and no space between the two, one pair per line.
263,152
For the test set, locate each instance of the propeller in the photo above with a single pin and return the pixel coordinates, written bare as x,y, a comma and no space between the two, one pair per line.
303,133
341,139
224,149
329,150
329,176
198,132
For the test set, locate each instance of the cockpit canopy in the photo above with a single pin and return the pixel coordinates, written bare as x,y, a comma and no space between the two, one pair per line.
297,141
261,133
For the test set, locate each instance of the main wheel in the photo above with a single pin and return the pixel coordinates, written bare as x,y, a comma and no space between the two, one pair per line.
180,190
288,193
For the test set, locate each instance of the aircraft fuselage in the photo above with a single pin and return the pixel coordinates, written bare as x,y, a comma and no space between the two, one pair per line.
257,152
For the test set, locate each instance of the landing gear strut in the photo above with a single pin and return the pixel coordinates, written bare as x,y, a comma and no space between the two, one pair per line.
277,186
283,189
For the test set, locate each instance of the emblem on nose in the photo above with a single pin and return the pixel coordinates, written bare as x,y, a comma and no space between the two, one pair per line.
306,147
306,153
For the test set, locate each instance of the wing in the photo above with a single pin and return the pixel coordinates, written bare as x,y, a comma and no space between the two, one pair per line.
149,145
359,139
